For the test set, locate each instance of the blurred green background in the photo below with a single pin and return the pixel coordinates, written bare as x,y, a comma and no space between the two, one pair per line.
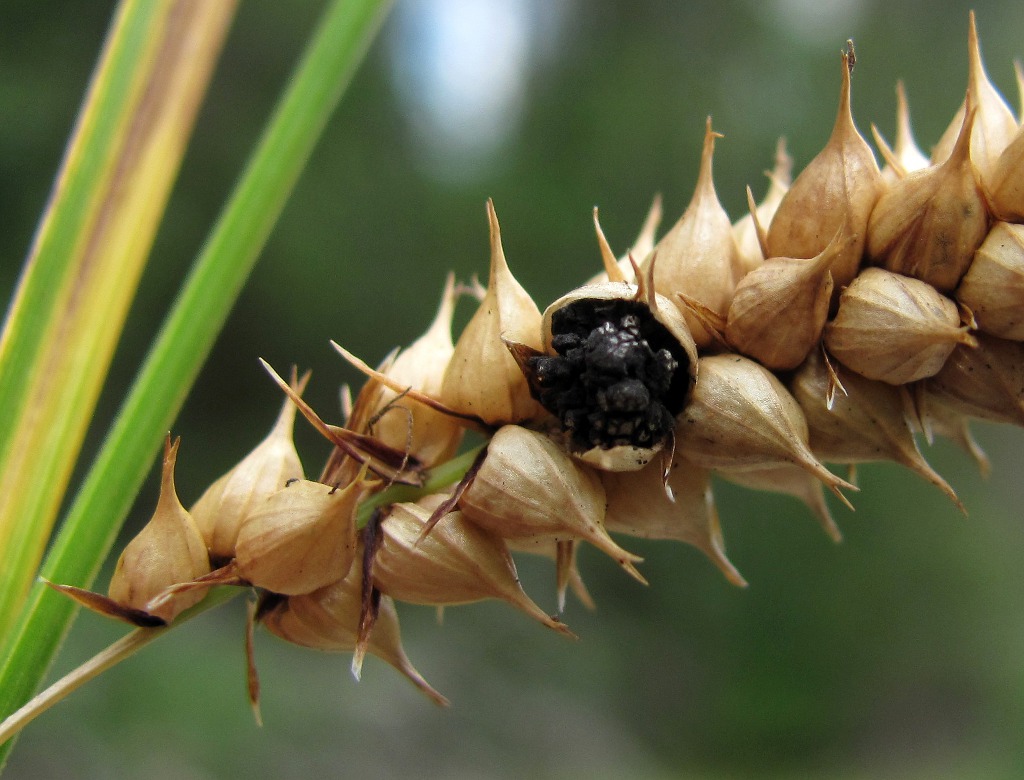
899,653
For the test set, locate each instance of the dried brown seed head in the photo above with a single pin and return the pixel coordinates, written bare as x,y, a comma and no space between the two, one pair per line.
893,328
168,550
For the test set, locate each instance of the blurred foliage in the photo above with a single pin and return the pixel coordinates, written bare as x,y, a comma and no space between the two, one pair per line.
895,654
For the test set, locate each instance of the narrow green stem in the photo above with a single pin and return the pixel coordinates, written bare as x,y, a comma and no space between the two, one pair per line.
122,649
439,477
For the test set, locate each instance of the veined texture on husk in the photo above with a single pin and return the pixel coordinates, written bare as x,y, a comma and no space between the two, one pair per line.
482,378
699,256
837,190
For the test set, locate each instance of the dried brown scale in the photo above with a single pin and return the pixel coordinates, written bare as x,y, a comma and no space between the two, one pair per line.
698,254
986,382
893,328
996,124
867,421
928,224
837,190
457,563
740,416
993,288
328,619
779,310
168,550
530,488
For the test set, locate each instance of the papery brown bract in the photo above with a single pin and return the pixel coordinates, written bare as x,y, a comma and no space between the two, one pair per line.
744,230
836,191
328,619
893,328
741,416
993,288
457,562
867,421
995,125
529,487
986,382
789,480
482,378
779,310
407,425
167,551
928,224
639,505
226,503
699,256
302,538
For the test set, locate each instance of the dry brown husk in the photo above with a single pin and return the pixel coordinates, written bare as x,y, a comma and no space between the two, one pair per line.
1005,185
905,156
622,269
567,573
866,422
995,125
225,504
458,562
985,382
482,378
780,308
748,233
528,487
640,505
935,418
428,435
928,224
698,256
741,417
893,328
167,551
993,288
328,619
793,481
836,191
303,537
